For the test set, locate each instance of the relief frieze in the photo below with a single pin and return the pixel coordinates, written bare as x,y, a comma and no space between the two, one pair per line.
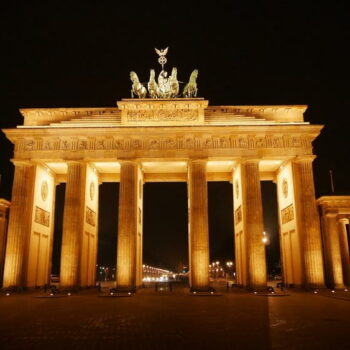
42,217
156,143
287,214
90,217
238,215
162,115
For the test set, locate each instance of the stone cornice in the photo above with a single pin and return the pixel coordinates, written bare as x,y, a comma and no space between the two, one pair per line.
4,203
276,129
339,203
45,116
276,113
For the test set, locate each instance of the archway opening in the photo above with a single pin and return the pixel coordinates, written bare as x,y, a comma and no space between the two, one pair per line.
107,232
165,231
221,236
58,228
271,230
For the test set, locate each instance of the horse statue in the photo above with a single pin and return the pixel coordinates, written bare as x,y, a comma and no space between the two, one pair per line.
173,84
190,89
153,88
163,84
137,88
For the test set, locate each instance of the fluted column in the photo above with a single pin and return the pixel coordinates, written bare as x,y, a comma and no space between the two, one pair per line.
332,251
19,226
127,226
198,225
4,210
254,225
308,222
73,221
344,249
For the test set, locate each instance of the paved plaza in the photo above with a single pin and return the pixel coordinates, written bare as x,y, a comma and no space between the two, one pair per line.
176,320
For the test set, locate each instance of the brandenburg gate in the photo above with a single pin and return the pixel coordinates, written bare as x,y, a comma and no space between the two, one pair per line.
159,140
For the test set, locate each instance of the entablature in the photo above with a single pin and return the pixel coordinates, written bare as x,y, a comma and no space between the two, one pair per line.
176,141
335,205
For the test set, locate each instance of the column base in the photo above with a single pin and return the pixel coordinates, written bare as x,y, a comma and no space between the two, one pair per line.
314,286
124,289
205,289
257,288
14,289
334,286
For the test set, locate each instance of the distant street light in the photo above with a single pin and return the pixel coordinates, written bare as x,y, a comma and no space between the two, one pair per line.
265,239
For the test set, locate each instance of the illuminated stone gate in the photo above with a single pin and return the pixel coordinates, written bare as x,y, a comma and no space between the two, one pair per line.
159,140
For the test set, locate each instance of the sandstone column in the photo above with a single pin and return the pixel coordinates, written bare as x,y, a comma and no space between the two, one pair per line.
344,249
4,210
73,221
198,225
332,251
308,222
254,225
127,226
19,225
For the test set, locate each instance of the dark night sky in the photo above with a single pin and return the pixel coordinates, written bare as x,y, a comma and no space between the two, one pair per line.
262,52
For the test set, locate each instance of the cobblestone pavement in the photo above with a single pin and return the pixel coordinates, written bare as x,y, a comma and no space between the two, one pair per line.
164,320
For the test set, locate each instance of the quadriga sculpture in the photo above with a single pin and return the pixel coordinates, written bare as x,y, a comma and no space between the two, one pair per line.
190,89
137,88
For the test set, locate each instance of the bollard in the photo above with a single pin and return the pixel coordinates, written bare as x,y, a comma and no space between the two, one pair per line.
227,286
99,287
171,286
156,287
45,287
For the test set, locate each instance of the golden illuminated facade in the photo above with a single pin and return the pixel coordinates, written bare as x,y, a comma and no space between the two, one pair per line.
335,216
4,211
157,140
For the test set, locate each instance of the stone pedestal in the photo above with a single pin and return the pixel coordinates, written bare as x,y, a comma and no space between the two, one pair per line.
344,249
308,222
161,112
73,220
19,226
127,270
332,252
198,225
254,225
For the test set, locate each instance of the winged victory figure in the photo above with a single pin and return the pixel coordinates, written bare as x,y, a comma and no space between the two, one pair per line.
162,52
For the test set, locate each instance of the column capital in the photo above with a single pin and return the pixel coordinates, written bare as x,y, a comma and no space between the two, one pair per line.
250,160
197,159
304,159
128,161
74,161
24,162
330,213
343,220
